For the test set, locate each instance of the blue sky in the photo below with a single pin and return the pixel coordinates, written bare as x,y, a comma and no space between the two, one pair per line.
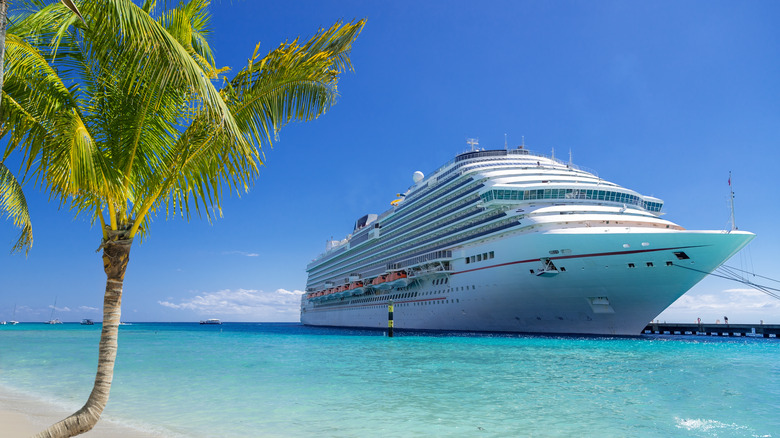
662,97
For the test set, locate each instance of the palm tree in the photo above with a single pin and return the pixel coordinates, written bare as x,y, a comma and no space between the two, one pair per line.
141,128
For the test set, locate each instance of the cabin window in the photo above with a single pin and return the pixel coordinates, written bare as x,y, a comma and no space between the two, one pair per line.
681,255
631,265
649,264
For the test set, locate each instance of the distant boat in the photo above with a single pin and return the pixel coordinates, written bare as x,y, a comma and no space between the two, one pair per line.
52,319
211,321
87,322
13,321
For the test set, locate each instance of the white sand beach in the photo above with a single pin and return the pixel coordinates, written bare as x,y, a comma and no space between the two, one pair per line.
23,417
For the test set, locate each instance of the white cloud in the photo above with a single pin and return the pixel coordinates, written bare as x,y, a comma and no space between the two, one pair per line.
742,305
60,309
89,309
243,253
744,299
243,304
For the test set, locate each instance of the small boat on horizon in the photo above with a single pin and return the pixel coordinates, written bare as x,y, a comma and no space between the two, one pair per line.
13,321
212,321
87,322
52,319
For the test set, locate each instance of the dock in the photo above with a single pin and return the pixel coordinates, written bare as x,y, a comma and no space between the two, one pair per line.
703,329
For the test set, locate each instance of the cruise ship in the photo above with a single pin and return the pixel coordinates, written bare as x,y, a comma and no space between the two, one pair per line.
512,241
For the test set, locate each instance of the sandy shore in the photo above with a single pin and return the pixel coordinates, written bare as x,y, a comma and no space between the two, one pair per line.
22,417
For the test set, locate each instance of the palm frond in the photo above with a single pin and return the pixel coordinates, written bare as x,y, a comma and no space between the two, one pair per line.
42,117
293,82
14,206
135,38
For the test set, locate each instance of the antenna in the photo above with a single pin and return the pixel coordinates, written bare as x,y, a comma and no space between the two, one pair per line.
472,142
553,154
523,145
733,221
570,162
505,145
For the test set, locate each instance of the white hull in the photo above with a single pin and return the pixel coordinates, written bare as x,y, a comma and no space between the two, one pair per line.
610,281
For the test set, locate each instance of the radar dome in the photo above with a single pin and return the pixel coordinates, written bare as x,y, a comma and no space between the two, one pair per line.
417,177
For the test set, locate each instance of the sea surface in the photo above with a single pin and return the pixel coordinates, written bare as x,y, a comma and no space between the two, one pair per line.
287,380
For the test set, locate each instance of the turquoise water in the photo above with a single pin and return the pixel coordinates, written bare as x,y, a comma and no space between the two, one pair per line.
286,380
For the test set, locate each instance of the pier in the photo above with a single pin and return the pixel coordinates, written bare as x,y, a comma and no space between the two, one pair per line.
703,329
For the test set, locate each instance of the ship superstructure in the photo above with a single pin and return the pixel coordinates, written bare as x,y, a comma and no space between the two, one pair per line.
511,240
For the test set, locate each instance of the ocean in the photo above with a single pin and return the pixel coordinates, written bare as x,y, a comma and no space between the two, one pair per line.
287,380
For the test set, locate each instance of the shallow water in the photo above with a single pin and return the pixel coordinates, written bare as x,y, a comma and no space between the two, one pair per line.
286,380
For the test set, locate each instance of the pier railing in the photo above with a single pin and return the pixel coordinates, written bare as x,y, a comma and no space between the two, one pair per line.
730,330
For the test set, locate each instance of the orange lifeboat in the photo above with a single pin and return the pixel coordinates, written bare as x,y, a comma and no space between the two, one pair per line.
356,288
397,279
379,280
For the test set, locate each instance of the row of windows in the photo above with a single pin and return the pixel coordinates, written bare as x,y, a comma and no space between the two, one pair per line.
397,296
600,195
394,249
479,257
420,204
388,236
454,301
442,241
649,264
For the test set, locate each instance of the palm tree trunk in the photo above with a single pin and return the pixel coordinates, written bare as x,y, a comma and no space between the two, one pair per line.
116,254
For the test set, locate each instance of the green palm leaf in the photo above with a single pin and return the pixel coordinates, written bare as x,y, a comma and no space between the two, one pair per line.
14,206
